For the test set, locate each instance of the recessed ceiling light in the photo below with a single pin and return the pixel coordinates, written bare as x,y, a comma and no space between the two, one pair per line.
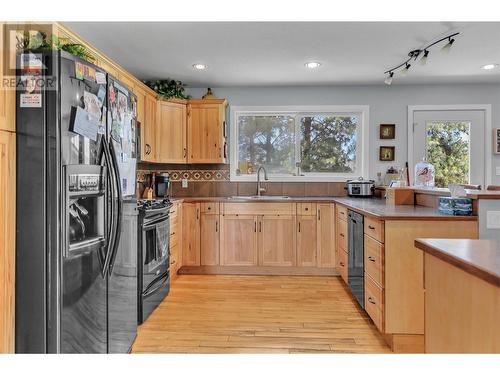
489,66
312,64
200,66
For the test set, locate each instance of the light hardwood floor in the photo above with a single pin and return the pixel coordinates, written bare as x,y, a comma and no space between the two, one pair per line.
258,314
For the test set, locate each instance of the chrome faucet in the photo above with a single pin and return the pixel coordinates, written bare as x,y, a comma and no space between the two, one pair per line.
261,189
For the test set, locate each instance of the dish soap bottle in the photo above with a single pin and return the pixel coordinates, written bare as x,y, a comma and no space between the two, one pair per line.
424,174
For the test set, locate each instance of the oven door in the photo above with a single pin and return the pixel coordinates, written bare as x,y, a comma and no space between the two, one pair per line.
156,247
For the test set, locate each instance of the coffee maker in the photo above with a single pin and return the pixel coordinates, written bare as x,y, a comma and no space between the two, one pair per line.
162,185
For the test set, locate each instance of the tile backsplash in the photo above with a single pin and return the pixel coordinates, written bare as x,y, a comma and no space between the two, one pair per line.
213,181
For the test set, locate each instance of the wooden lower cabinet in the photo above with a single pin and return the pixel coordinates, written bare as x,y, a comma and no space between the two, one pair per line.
210,239
326,234
239,245
306,241
191,234
276,234
7,238
342,266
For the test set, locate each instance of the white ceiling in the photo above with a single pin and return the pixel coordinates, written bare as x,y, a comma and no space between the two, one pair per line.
273,53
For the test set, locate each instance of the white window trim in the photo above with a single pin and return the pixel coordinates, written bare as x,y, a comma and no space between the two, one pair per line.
364,137
488,132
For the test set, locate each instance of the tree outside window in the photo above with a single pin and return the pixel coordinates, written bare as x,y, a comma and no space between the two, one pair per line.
448,149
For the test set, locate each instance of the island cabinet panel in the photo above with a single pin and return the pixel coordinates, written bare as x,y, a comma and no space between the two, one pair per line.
206,133
342,265
326,234
306,241
404,269
191,234
171,132
461,310
210,239
175,239
239,240
276,240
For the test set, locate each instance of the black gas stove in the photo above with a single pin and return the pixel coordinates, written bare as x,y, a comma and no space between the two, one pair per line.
154,254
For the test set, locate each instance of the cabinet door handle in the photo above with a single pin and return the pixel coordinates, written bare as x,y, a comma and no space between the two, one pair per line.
319,214
341,234
371,300
216,226
299,226
255,226
197,214
371,259
185,152
260,226
342,264
371,227
224,129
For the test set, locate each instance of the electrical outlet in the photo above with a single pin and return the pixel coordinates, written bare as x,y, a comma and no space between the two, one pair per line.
493,219
497,171
184,183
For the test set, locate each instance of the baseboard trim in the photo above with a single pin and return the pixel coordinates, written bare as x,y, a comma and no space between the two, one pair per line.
257,271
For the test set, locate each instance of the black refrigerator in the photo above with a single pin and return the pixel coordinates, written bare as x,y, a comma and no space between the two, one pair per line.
76,274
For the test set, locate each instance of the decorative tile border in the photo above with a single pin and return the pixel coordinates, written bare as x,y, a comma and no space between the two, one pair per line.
191,175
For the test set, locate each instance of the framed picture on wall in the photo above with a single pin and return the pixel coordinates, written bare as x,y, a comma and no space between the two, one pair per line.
386,153
387,131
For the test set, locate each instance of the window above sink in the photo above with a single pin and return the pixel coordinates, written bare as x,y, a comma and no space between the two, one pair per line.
299,143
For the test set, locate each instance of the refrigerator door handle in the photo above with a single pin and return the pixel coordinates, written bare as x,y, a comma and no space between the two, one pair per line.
111,190
118,229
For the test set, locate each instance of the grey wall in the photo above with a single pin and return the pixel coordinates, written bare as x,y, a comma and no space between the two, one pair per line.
388,104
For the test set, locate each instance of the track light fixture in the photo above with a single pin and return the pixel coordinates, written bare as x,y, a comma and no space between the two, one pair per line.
446,48
423,59
388,80
413,55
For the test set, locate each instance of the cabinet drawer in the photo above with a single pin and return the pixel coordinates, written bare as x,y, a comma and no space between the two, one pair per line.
306,209
342,235
374,228
342,264
374,260
374,304
210,208
341,212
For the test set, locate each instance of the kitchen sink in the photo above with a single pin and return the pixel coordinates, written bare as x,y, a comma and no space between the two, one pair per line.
260,198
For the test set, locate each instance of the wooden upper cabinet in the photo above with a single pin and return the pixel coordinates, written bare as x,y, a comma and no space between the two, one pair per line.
277,240
109,67
7,96
306,241
149,149
209,242
190,234
206,131
238,240
140,93
171,132
326,234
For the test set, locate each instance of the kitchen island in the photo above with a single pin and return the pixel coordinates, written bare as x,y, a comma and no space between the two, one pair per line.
462,295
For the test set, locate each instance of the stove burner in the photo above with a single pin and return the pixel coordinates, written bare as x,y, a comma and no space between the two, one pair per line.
151,204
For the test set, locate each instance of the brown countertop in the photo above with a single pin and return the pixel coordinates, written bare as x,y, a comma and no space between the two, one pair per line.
375,207
480,258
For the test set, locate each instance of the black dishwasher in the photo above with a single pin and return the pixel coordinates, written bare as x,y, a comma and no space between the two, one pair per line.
355,271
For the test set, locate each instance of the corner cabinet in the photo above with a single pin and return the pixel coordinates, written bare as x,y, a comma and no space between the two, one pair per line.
206,131
149,146
171,135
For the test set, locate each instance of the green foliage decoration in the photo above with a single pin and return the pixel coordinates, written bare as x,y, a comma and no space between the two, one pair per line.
168,88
